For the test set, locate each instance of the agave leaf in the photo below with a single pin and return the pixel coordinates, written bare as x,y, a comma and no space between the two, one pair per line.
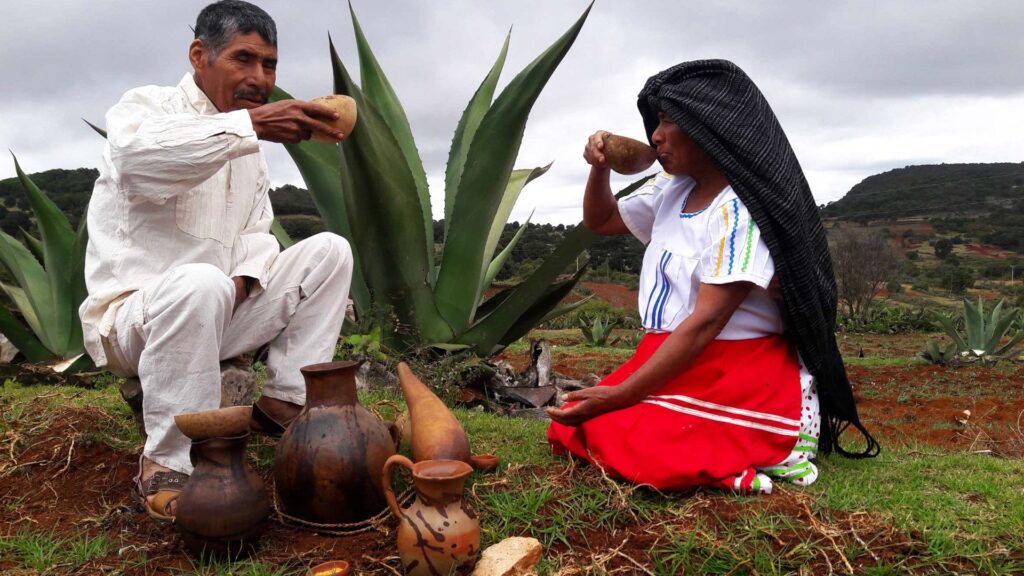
77,289
24,306
999,326
489,163
318,165
466,130
499,260
516,182
378,92
387,222
565,309
33,281
98,130
990,325
35,246
58,240
539,310
24,340
974,323
282,236
1009,345
947,326
487,332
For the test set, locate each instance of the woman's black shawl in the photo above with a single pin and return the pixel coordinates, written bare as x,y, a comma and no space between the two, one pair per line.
722,110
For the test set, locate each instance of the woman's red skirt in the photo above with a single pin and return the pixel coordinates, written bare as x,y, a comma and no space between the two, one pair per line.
736,408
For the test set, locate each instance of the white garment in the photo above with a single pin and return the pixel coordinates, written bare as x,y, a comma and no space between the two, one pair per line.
716,245
180,207
179,184
175,330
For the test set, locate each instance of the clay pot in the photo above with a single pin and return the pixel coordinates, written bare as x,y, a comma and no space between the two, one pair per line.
626,155
223,508
332,568
220,423
328,463
439,533
436,433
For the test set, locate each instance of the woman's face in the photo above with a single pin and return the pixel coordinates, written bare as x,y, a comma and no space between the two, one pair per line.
677,153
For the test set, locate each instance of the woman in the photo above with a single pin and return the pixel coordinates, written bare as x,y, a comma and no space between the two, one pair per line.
737,296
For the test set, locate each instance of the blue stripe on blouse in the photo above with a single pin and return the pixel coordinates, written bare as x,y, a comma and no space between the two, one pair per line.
666,289
654,288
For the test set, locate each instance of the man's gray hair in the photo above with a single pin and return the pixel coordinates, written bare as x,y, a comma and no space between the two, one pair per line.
218,23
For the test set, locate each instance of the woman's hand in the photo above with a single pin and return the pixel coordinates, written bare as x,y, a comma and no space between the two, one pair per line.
593,152
591,403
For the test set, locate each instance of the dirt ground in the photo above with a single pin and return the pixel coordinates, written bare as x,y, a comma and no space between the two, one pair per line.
66,480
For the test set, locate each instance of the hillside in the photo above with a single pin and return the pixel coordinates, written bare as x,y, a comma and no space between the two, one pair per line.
983,202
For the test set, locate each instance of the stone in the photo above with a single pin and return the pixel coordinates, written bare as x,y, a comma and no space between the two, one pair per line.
514,556
237,388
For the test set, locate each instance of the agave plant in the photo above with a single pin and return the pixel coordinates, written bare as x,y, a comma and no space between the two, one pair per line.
597,330
372,189
983,331
943,356
49,273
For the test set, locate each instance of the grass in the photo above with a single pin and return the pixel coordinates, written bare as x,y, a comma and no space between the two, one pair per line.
914,509
44,552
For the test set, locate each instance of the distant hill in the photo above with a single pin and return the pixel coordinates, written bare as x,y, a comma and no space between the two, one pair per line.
69,190
980,201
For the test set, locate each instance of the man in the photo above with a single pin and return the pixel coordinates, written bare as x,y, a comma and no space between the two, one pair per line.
181,268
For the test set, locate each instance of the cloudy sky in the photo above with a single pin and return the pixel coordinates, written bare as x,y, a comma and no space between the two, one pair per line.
860,87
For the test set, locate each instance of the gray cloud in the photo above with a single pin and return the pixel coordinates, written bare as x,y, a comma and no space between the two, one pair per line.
860,87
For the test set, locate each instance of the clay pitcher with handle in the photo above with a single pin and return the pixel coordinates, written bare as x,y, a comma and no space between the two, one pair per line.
439,533
436,433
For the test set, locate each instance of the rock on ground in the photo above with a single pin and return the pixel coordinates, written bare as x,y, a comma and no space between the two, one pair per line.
514,556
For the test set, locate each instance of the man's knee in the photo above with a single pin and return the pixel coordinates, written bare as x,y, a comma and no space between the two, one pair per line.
332,247
202,282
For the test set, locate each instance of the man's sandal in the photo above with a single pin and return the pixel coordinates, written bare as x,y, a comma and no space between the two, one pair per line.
165,485
263,423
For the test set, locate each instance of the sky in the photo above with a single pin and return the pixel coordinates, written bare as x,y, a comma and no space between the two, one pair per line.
860,87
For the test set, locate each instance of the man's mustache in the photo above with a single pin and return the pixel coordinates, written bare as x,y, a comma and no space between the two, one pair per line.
253,94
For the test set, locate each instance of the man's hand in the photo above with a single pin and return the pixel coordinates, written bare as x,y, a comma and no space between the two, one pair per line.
591,403
241,290
292,121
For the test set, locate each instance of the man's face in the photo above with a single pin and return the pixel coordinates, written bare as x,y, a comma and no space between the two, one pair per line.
241,76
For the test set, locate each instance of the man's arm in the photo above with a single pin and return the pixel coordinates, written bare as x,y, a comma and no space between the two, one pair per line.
156,154
255,248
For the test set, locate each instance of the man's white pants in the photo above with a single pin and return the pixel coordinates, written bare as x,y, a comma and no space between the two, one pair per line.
175,331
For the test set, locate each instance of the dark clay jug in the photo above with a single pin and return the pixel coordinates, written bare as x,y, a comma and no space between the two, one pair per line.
328,464
223,508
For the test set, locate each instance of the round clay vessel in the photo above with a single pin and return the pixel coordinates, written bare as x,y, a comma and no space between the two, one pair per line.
628,156
484,462
332,568
328,463
436,433
220,423
223,508
439,532
345,106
